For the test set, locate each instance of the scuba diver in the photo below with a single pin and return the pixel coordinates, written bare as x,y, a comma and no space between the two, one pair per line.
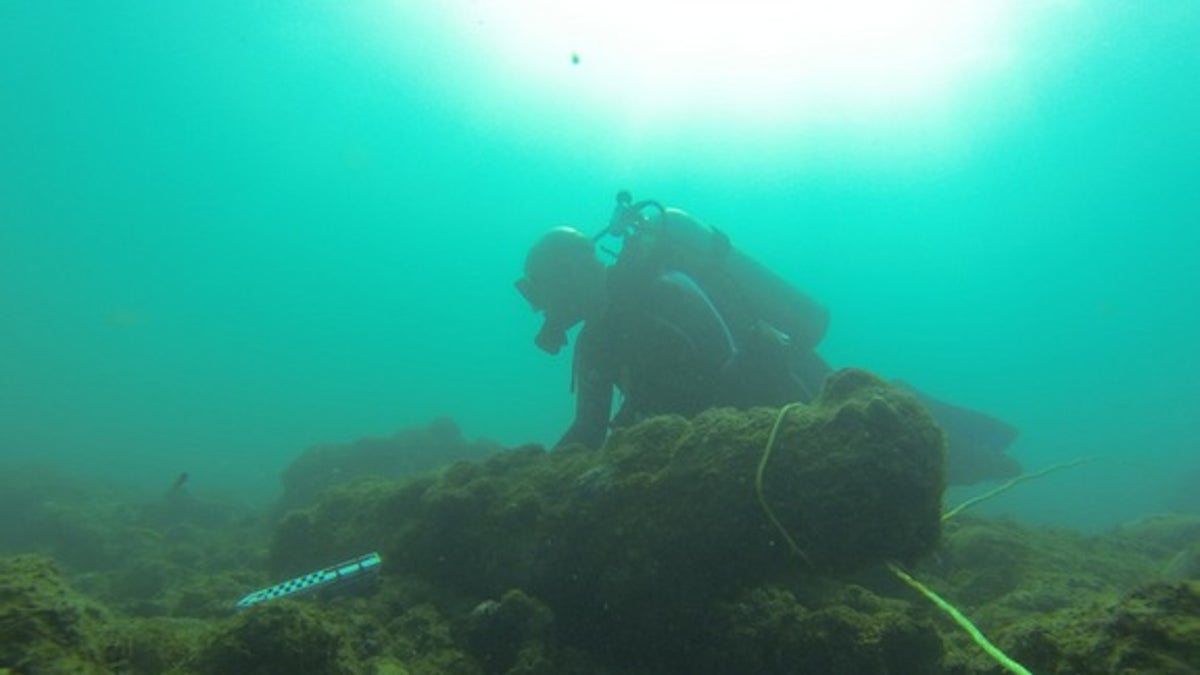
683,321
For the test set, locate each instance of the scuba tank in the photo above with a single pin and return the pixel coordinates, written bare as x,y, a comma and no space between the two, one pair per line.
754,300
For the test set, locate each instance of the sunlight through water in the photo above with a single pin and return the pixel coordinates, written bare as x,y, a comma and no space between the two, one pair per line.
758,63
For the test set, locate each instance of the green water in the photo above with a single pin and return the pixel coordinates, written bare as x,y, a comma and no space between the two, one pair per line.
230,230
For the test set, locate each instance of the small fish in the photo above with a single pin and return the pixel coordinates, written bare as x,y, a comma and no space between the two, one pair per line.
180,481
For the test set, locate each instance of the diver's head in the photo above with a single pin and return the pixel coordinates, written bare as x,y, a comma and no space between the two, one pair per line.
564,280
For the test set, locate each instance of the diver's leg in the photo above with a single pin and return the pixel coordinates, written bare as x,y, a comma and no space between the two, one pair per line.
976,443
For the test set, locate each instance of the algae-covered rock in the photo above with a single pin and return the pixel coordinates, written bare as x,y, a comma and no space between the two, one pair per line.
1169,530
856,479
45,627
1174,537
288,638
1184,565
652,555
1155,629
154,646
1049,597
1000,570
407,452
512,634
850,630
54,513
422,638
631,545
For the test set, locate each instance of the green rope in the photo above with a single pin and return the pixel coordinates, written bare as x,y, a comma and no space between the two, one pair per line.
963,622
758,484
976,635
1005,487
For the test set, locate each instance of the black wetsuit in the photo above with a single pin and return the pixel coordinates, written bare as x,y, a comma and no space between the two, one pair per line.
665,345
670,346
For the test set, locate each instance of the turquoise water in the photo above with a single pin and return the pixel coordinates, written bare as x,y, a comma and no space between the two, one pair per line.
232,230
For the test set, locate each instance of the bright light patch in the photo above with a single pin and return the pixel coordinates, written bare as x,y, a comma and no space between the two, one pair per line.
758,61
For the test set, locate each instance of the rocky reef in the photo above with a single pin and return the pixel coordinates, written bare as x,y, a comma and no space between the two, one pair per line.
652,555
634,547
1062,602
405,453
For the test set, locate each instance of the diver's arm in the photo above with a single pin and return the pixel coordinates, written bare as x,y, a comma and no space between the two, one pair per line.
593,401
593,396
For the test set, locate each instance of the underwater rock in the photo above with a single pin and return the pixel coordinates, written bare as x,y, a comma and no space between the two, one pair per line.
407,452
1001,571
52,512
282,637
629,546
768,630
1155,629
513,634
1046,596
1184,565
45,627
1173,536
1171,531
154,646
421,636
856,477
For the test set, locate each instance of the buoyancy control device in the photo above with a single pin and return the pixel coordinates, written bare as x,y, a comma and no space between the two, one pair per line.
754,299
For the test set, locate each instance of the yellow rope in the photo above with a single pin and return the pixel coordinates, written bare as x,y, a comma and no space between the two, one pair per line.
976,635
758,484
1009,485
963,622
